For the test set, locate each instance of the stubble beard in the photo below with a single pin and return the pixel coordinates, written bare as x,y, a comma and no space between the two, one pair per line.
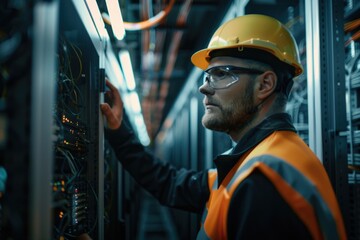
234,116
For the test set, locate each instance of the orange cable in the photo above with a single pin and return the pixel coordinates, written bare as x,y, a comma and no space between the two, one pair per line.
349,26
151,22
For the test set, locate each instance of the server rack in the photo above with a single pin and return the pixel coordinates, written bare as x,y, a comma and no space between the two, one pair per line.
351,60
78,165
335,67
62,176
27,63
13,83
333,116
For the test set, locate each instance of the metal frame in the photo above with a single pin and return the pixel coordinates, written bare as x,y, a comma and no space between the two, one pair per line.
333,110
99,38
43,98
313,75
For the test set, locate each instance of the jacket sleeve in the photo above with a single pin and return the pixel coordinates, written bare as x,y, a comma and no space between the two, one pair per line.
257,211
179,188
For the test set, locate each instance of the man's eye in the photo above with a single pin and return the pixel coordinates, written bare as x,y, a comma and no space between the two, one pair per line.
218,73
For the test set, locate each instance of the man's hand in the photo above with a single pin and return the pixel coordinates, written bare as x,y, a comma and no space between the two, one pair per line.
114,113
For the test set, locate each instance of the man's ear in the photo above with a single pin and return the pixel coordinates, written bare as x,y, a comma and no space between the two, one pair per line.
267,84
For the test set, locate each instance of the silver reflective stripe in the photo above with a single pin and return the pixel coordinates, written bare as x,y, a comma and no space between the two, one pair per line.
202,234
302,185
204,215
215,184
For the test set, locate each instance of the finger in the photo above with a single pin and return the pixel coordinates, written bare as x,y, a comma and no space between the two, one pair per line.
108,111
115,95
113,120
105,109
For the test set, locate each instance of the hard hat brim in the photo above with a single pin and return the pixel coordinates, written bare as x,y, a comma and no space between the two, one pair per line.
202,57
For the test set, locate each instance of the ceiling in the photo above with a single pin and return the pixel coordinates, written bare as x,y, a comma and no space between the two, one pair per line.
161,52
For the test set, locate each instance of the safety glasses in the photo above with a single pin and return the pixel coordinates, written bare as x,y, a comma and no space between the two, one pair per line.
221,77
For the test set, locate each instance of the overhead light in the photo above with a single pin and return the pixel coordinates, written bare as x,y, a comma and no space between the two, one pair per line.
134,102
113,68
127,69
96,16
142,131
117,23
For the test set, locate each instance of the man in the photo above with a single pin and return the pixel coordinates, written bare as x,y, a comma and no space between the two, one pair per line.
270,185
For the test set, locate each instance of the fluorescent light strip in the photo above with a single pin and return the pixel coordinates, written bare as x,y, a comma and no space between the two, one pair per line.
117,23
96,16
142,131
134,102
118,78
127,69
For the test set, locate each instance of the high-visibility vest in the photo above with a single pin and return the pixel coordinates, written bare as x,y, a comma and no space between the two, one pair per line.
299,178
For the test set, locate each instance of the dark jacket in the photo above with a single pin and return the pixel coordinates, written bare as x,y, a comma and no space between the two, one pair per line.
256,210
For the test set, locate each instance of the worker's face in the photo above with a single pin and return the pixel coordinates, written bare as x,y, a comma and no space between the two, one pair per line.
229,109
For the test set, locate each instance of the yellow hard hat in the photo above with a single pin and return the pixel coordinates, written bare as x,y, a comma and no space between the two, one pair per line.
253,32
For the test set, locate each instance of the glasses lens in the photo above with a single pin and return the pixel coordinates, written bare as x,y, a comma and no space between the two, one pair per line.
219,77
224,76
218,73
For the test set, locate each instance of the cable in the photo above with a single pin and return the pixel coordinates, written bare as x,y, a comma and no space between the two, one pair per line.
69,159
350,27
151,22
